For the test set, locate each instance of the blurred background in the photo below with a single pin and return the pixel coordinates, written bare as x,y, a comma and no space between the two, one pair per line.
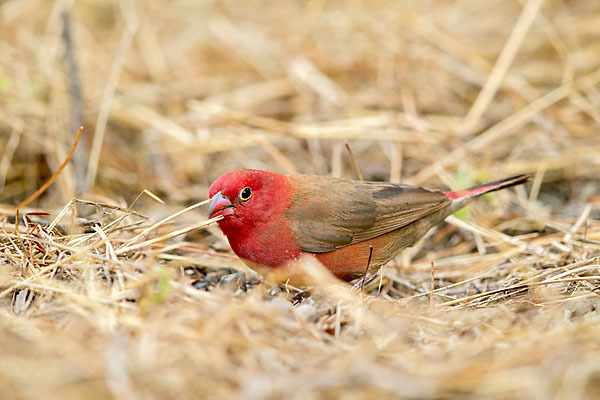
172,94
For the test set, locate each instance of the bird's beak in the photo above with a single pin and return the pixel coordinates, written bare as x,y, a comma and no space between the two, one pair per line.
220,205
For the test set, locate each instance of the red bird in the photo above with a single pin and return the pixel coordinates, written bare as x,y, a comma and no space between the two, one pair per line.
271,219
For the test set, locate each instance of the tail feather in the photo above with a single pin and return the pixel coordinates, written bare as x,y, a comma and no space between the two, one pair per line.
488,187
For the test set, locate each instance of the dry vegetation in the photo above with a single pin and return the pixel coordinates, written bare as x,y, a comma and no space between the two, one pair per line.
98,300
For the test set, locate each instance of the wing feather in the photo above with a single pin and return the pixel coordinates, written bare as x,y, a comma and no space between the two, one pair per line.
329,213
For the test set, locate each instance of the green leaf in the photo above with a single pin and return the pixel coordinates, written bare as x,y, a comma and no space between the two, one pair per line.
4,83
463,214
164,287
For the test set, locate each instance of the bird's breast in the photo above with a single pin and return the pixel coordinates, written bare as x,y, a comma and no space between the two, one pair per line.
270,244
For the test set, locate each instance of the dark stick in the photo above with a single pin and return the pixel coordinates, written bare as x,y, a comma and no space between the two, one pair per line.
364,278
74,81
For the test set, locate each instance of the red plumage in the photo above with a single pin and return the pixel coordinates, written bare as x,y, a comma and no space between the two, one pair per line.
272,219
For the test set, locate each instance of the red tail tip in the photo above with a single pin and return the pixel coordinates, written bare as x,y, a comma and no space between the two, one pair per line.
488,187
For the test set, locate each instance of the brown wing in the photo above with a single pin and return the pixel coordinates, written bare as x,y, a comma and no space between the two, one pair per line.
328,213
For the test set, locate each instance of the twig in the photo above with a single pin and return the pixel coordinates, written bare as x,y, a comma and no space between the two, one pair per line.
507,127
46,185
518,287
111,207
432,284
168,235
164,220
502,65
131,24
354,163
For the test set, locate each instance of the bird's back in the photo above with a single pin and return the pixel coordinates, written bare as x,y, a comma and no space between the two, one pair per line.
331,213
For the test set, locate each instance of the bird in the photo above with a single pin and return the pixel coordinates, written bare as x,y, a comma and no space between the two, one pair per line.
351,227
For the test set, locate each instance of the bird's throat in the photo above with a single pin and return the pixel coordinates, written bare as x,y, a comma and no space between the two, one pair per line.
271,243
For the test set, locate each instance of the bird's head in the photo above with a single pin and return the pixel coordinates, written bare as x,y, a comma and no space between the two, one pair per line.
248,197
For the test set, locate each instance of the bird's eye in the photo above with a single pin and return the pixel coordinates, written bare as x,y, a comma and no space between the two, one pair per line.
245,194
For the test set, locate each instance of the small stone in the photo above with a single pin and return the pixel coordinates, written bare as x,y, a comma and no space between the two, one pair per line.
201,285
253,281
271,294
212,277
307,311
235,281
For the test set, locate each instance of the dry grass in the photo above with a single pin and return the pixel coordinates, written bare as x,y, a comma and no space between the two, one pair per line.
104,297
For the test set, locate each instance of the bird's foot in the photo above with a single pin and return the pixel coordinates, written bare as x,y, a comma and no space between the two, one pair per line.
364,281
